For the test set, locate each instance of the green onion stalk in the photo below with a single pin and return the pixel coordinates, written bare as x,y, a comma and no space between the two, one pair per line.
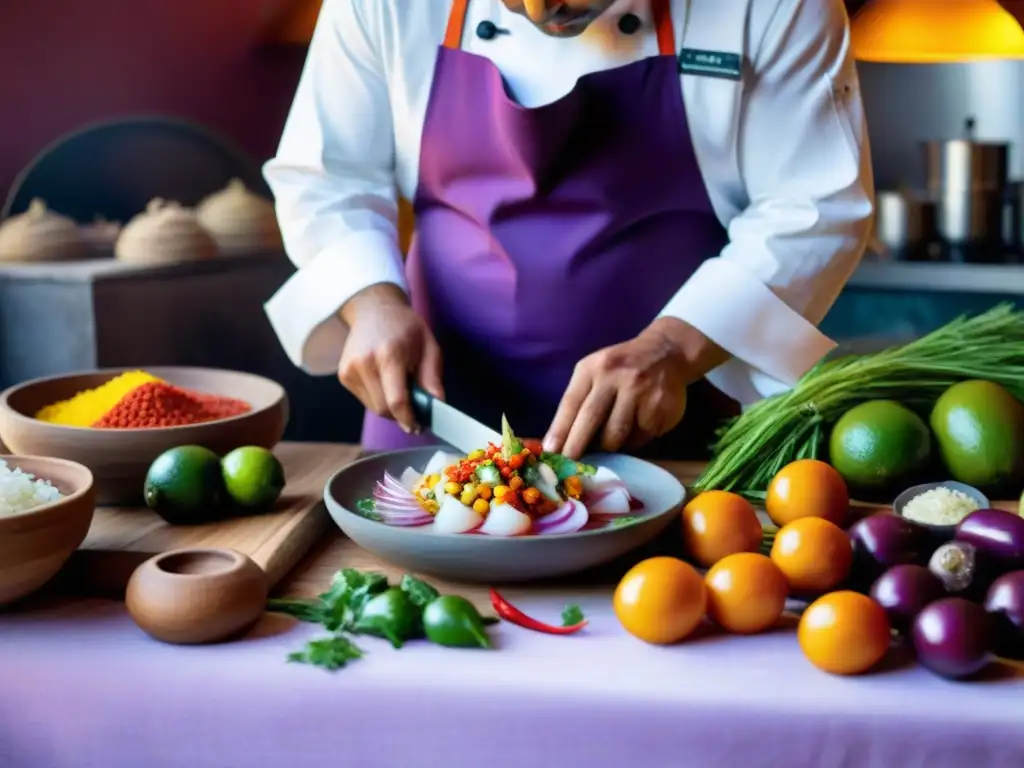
774,432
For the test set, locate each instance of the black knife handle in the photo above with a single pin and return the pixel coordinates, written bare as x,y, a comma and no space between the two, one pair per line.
422,405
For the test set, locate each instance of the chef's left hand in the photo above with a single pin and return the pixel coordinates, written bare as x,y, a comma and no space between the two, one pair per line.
633,392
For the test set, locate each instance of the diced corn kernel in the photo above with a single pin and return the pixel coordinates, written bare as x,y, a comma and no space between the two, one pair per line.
477,454
501,491
515,483
481,506
468,497
531,495
483,491
431,506
433,480
573,487
452,488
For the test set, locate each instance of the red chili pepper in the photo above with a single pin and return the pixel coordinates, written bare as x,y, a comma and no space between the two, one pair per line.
513,615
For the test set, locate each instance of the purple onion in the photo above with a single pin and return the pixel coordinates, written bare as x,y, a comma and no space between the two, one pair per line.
996,534
884,540
1005,603
952,637
904,591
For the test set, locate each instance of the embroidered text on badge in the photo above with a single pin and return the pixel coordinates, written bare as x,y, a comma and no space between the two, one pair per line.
710,64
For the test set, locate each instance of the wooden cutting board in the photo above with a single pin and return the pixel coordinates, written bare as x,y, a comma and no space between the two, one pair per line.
120,539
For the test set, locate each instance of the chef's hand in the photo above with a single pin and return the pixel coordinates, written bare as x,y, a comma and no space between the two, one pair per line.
633,392
387,342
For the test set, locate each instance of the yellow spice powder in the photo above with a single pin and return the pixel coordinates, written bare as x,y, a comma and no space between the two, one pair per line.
86,408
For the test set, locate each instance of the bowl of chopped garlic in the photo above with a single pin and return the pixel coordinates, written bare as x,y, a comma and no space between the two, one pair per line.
117,421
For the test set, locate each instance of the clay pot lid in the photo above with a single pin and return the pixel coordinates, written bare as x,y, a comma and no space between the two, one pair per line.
40,235
239,219
165,233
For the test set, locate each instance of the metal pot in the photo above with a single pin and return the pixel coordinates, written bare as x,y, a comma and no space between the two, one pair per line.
972,217
964,165
905,224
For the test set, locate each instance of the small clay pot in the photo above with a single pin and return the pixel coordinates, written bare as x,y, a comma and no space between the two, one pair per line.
40,235
196,596
241,221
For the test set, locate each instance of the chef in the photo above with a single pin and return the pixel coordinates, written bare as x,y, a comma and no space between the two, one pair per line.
616,202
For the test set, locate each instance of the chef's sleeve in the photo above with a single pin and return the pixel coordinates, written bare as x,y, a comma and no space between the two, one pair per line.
804,160
333,180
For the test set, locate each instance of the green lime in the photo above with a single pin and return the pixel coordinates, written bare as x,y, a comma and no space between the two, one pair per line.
253,476
879,443
184,485
979,427
454,622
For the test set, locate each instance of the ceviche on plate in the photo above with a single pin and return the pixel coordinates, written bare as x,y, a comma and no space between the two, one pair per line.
512,489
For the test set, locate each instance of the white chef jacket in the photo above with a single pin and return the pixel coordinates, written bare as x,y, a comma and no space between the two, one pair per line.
783,153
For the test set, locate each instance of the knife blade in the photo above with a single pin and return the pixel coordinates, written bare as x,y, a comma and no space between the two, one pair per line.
450,424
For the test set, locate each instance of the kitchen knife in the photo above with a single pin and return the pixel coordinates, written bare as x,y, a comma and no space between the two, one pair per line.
450,424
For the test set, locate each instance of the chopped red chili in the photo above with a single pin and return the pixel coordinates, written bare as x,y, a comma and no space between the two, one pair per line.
513,615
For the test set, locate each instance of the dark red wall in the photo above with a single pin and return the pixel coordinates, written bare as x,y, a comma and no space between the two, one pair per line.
67,62
64,63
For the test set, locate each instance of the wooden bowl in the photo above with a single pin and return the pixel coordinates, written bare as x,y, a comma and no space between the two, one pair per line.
194,596
35,545
120,458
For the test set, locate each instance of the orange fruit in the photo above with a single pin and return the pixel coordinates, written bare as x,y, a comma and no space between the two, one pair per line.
661,600
807,488
814,554
717,524
844,633
746,593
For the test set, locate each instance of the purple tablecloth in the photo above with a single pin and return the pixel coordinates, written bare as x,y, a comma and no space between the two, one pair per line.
81,687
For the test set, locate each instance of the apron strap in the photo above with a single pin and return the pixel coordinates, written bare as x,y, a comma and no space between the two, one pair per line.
456,24
661,12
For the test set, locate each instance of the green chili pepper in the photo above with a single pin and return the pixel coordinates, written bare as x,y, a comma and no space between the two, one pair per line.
453,621
391,615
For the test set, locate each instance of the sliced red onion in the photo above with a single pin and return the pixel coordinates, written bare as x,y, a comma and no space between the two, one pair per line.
392,484
399,499
410,479
612,504
568,518
397,506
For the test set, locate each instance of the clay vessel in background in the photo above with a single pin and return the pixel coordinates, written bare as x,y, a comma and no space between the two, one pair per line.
241,221
101,236
166,233
35,545
40,235
196,596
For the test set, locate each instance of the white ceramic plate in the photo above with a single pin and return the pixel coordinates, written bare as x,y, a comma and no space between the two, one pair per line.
488,559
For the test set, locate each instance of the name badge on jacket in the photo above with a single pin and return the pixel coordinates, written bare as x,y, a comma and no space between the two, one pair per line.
728,66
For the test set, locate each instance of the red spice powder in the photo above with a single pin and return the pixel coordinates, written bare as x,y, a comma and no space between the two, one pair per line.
157,404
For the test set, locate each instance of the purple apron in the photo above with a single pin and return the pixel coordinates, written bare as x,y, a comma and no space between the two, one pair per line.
546,234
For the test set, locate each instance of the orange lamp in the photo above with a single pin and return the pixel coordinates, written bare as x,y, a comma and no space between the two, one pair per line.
935,32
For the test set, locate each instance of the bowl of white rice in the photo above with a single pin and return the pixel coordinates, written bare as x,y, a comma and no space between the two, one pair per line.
46,508
940,507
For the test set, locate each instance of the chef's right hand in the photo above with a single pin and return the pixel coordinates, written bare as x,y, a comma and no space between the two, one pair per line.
387,342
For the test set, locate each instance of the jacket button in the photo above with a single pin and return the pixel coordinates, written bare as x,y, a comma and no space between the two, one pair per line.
487,30
629,24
